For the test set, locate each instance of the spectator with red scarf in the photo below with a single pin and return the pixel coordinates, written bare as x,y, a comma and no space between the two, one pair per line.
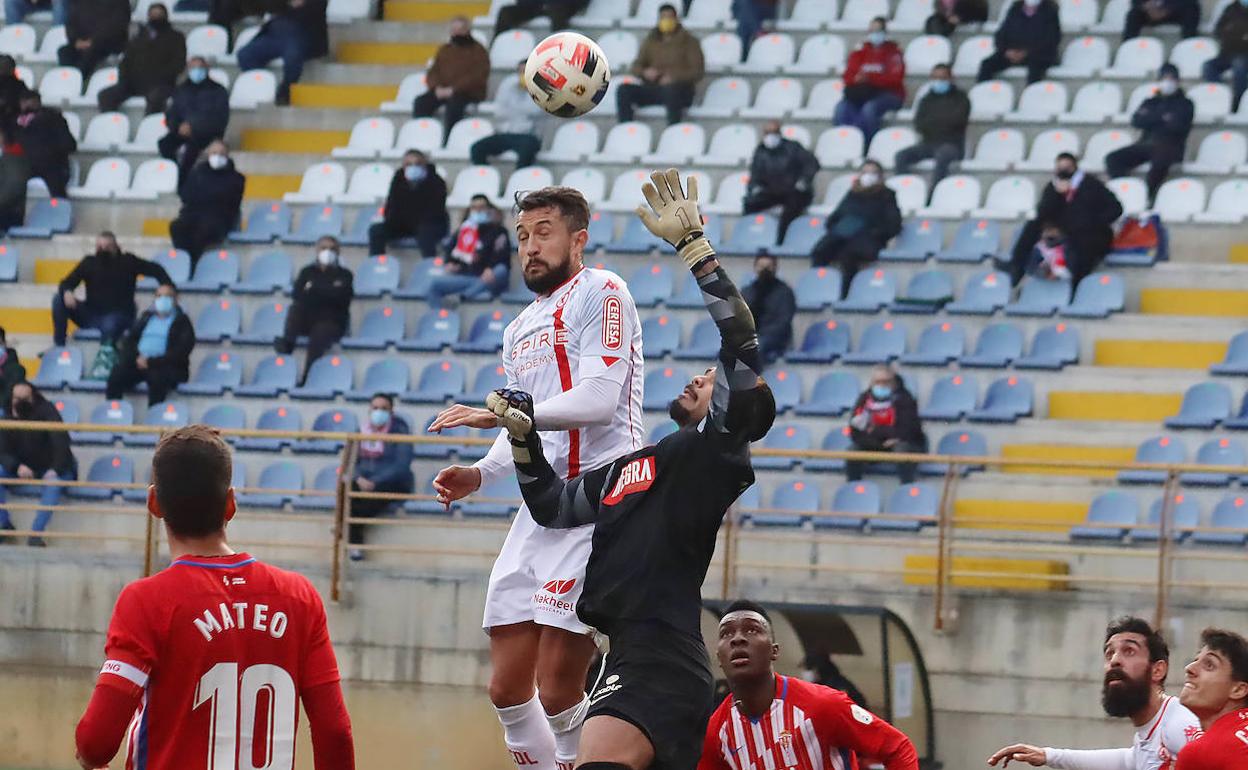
885,419
478,256
874,82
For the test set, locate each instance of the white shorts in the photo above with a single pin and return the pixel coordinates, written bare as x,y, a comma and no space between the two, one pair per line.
538,576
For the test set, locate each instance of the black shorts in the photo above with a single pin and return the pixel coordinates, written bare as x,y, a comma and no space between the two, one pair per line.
660,680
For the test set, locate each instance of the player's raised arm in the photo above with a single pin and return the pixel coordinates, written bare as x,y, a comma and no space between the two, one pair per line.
855,728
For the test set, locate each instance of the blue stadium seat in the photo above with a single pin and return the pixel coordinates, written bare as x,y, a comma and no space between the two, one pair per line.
783,436
168,415
797,500
660,335
635,239
214,271
996,347
486,333
1215,451
441,450
1184,517
855,497
111,469
325,480
439,380
910,500
490,377
1158,449
225,417
601,230
218,320
277,418
939,344
1097,296
662,384
377,276
267,273
753,233
650,284
381,327
984,293
1007,399
283,480
823,342
1236,359
58,367
786,386
500,499
817,288
315,222
267,323
1109,517
750,501
880,343
927,292
1052,348
1240,420
430,507
951,399
687,294
438,328
273,375
974,241
8,263
389,375
176,262
662,431
329,421
329,376
418,278
47,218
918,240
962,443
357,235
1204,405
836,440
1230,513
704,342
216,374
1040,297
266,220
68,409
114,413
870,291
833,394
801,237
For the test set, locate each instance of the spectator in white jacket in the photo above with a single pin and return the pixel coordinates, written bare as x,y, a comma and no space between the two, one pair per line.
515,117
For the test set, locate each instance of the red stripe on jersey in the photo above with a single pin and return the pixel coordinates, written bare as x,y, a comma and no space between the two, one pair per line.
565,382
1165,704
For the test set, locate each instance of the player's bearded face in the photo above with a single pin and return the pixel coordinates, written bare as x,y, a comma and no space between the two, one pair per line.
693,402
549,251
1123,694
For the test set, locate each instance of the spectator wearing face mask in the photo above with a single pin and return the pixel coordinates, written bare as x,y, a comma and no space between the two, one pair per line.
459,77
14,171
866,219
875,78
46,141
212,195
198,113
109,276
773,304
885,419
1153,13
515,117
95,30
1028,37
156,350
415,208
150,66
670,66
12,89
382,466
1049,257
321,305
941,119
478,257
1232,34
34,454
948,15
11,371
782,173
1164,120
521,12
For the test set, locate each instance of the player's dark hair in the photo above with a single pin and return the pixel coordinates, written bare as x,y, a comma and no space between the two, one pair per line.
571,204
667,7
1129,624
388,397
1067,156
752,412
191,471
745,605
1231,646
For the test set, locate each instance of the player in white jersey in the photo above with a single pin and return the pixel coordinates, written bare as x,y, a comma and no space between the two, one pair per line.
577,349
1137,660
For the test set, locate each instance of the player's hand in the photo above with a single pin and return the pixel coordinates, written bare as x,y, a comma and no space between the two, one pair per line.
365,485
87,765
514,409
1019,752
456,482
673,216
458,415
24,472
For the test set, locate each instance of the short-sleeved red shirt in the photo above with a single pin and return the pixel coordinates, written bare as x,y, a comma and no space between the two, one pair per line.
1224,746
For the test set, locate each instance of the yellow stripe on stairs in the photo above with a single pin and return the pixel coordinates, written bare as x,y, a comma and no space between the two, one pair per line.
31,365
1158,354
287,140
1195,302
1113,405
1239,254
344,96
270,186
1065,452
156,228
53,270
424,10
392,54
1018,515
28,320
995,572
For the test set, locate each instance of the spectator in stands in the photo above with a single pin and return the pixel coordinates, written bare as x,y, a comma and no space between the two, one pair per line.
212,195
15,10
1153,13
947,15
12,89
750,16
198,113
109,276
459,77
47,143
14,171
670,66
297,31
940,119
1083,207
383,466
522,12
515,123
1232,34
875,85
156,350
11,371
321,304
885,419
31,454
1050,254
1028,37
1164,120
773,304
150,66
866,219
782,173
415,208
478,256
95,30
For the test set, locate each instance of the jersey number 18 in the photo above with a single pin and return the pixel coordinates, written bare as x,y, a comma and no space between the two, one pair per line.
275,713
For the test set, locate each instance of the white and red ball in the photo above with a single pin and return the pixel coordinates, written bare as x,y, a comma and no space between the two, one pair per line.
567,74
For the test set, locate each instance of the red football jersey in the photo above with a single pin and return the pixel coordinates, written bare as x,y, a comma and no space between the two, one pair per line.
220,650
1224,746
809,727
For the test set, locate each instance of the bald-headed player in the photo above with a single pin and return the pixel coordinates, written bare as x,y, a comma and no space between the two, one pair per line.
1216,691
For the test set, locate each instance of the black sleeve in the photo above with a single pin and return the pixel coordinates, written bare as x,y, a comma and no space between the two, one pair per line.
755,172
75,277
1003,36
553,502
128,345
218,117
150,269
64,140
1051,36
809,164
1111,206
889,223
8,455
174,113
392,214
1051,203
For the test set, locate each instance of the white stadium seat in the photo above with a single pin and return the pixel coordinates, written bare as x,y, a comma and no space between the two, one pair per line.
954,196
720,52
925,52
1191,54
997,150
52,41
574,141
216,75
886,143
620,48
910,15
1228,204
74,123
644,17
1095,103
590,181
153,178
626,191
320,183
104,77
678,144
839,146
106,131
856,14
26,75
1102,143
731,191
1139,95
18,40
769,53
1047,146
911,192
809,16
1131,193
776,97
1180,199
424,134
410,87
822,101
601,13
244,36
820,55
1137,58
210,41
708,14
795,133
832,196
107,177
1040,102
991,99
346,11
369,183
60,85
970,54
1010,197
511,47
524,180
463,135
1083,57
1077,15
1219,153
731,145
1211,100
626,143
1113,17
253,88
370,137
473,180
723,97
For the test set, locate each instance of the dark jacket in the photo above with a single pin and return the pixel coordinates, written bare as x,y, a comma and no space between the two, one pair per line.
872,214
14,171
46,140
967,11
407,204
1087,218
393,468
1165,119
153,59
106,23
780,169
325,293
41,451
213,196
177,349
206,106
773,306
492,250
1232,31
905,425
11,92
110,279
1038,34
678,55
464,67
11,373
942,118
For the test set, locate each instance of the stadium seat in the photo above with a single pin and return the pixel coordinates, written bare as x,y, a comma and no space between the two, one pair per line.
1040,297
660,335
808,16
801,237
1219,153
1211,100
857,14
210,41
58,367
216,374
1204,405
730,145
822,100
752,233
1083,57
1094,103
370,183
601,230
283,418
918,240
107,178
325,480
523,180
381,327
997,150
835,192
1136,59
1231,513
1101,144
253,88
319,183
329,421
214,271
621,48
819,55
118,414
776,97
651,284
387,375
869,291
880,343
153,178
852,502
175,262
797,500
489,377
47,218
919,503
106,132
839,147
267,273
1138,96
835,440
1184,517
832,395
724,96
1010,197
8,263
768,53
662,431
225,417
1078,15
1097,296
910,16
991,100
953,197
952,398
1131,193
1235,362
1158,449
1047,146
510,47
626,191
418,278
636,238
498,499
52,41
886,144
704,342
1040,102
963,443
274,374
926,51
574,141
369,138
1190,55
377,276
911,192
971,53
486,333
329,375
926,292
280,482
823,342
18,40
424,134
439,380
267,322
678,144
626,143
1006,400
783,436
265,221
786,387
1113,16
110,469
1179,200
60,85
1052,348
662,385
1109,517
436,329
729,195
169,415
938,345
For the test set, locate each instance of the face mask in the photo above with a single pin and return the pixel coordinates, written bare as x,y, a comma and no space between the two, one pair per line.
1065,174
479,217
766,275
771,141
868,179
23,409
414,173
667,26
327,256
158,23
197,74
940,86
163,305
379,417
217,161
881,392
105,251
876,38
1168,87
461,39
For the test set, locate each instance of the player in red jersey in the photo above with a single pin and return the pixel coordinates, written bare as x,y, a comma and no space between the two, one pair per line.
205,662
1216,691
772,721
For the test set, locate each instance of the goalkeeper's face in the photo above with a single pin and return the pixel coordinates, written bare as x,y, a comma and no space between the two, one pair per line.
694,401
550,251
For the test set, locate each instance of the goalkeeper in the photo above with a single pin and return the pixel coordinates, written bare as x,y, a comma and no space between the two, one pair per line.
656,513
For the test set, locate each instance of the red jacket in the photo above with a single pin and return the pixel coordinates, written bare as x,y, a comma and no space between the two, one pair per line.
884,66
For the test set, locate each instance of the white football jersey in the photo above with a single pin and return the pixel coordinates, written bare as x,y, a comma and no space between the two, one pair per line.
1156,745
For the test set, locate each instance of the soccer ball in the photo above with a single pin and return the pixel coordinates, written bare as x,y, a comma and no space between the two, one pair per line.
567,74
